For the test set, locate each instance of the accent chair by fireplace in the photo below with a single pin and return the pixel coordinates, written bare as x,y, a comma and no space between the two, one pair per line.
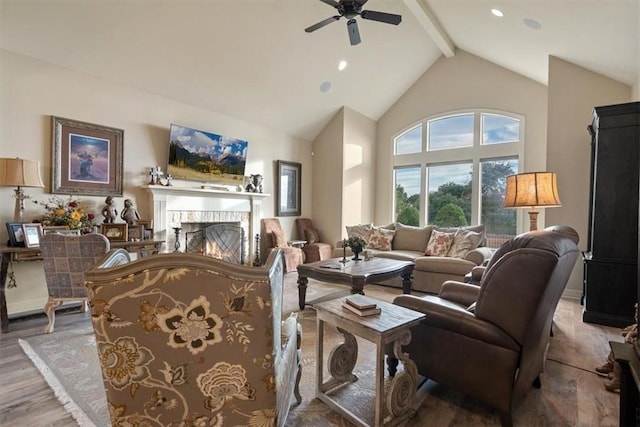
272,236
314,250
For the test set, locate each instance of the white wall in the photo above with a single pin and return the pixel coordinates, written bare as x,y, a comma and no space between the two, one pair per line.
573,92
32,91
461,82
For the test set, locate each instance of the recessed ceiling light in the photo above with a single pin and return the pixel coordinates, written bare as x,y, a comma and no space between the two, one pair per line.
342,65
532,23
325,86
497,12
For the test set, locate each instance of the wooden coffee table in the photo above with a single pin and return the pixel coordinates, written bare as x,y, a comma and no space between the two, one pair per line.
354,273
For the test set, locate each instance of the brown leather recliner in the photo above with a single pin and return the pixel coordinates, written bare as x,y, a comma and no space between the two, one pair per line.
489,342
314,250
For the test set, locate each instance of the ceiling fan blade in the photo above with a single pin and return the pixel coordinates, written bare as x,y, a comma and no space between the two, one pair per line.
361,2
387,18
322,24
354,34
330,2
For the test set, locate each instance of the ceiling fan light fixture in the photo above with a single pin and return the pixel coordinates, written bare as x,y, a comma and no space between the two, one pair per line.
342,65
497,12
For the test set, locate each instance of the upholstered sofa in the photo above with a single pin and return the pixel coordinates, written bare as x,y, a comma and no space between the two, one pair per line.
464,251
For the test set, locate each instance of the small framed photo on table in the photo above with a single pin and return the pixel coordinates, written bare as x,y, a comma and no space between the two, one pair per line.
16,234
53,229
115,232
135,233
32,233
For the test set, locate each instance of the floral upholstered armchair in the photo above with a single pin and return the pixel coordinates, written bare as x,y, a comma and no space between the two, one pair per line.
185,339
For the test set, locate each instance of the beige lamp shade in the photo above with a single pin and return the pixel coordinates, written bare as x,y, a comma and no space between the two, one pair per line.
20,173
532,190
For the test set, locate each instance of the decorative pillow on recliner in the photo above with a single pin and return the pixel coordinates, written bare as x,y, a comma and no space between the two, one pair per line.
311,235
463,242
360,230
439,243
278,239
381,239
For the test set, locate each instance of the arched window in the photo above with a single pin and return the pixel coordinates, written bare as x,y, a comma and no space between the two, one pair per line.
450,170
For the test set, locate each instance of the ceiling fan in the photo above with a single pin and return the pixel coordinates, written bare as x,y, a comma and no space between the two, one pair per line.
350,9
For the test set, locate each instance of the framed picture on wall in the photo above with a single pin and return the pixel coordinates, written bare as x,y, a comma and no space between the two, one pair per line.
87,158
289,188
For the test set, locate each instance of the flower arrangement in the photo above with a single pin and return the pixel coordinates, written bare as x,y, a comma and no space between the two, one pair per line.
67,212
355,242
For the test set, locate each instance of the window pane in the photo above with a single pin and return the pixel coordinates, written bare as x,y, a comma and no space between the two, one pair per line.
407,196
451,132
498,129
500,223
410,141
450,194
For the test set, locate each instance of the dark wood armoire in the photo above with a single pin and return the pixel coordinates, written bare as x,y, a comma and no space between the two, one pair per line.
611,259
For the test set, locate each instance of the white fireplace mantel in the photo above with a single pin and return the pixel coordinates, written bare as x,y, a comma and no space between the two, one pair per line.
203,199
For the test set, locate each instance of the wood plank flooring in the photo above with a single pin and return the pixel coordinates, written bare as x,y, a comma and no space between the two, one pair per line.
572,394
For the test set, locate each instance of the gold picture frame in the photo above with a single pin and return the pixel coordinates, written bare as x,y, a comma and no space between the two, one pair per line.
115,232
87,158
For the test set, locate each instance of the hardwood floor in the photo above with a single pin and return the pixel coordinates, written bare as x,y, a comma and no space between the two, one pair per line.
572,393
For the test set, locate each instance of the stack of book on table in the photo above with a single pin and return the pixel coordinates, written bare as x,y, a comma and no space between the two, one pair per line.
361,305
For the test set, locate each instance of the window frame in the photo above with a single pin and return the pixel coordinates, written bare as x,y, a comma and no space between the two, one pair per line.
475,154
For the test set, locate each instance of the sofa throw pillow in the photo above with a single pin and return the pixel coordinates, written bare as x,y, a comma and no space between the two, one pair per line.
381,239
409,238
480,228
311,235
439,243
463,242
360,230
278,239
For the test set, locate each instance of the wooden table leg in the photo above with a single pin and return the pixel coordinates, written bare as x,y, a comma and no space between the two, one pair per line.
302,291
4,267
407,282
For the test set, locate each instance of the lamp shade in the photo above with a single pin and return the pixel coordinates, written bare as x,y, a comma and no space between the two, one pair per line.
532,189
20,173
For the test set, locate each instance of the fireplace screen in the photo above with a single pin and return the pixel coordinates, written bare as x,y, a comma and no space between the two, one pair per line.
224,241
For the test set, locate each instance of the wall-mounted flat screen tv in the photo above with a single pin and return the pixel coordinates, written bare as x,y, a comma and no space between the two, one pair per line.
197,155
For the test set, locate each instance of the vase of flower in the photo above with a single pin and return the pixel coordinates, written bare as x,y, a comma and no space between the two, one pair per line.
356,252
357,245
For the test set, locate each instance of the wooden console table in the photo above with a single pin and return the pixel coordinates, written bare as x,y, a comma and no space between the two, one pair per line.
9,253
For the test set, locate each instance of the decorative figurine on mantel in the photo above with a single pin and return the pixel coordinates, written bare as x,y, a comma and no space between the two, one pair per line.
109,211
255,184
129,213
156,174
169,178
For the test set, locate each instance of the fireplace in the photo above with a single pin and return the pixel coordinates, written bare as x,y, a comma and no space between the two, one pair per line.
222,240
179,206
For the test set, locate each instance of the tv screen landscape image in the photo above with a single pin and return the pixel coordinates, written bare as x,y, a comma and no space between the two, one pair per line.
197,155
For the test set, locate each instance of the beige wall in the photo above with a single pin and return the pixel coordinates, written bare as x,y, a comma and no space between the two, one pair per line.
328,179
461,82
573,92
31,91
343,191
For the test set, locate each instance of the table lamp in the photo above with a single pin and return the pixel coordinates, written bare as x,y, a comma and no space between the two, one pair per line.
20,173
532,190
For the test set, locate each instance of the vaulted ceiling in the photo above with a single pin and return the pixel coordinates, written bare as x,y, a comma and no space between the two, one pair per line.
251,59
